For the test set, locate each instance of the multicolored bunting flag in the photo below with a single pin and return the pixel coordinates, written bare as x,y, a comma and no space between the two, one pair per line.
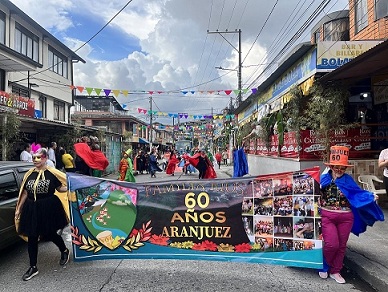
270,219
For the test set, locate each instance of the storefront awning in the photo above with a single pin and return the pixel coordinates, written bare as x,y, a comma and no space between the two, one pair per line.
143,141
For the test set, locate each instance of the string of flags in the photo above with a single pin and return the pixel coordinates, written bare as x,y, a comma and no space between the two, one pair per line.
183,127
117,92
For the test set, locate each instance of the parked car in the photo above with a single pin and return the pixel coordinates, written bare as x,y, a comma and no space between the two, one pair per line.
11,176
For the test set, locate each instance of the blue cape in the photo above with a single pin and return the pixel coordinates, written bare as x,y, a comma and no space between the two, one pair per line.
240,163
364,207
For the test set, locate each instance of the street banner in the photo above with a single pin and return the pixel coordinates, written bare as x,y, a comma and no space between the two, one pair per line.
270,219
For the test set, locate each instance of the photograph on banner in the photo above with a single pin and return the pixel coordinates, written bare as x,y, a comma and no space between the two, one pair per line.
266,219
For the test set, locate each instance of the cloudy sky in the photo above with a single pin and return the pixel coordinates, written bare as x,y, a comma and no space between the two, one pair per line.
165,45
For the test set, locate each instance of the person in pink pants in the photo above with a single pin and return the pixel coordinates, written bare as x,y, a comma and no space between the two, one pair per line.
340,202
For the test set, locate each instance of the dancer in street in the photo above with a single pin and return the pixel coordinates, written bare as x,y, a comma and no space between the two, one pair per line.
39,213
345,208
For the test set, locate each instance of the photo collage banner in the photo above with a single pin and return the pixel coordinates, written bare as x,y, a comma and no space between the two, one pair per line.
270,219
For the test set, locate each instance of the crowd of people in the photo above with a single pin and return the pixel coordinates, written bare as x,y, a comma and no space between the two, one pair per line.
88,159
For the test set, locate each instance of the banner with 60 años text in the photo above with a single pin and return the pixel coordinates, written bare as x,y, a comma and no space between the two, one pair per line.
270,219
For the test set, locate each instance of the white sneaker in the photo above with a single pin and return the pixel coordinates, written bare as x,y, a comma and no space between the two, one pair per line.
338,278
323,275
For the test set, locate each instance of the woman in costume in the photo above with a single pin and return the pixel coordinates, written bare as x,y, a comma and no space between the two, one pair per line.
154,163
129,173
123,166
39,213
172,162
345,208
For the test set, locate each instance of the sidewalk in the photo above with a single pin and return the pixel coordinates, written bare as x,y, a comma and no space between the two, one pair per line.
366,255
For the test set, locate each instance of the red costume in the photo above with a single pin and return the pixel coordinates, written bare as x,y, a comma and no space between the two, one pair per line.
210,172
172,162
95,159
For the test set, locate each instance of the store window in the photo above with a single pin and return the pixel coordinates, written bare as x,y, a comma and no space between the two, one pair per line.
26,43
361,15
59,110
2,27
57,62
381,8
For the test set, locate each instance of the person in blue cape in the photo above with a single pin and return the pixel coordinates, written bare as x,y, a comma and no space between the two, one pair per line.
345,208
240,163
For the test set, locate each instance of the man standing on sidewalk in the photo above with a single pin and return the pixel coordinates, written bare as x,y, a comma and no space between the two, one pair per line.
225,157
218,159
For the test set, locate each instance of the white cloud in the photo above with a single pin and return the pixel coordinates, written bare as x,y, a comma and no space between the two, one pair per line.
176,51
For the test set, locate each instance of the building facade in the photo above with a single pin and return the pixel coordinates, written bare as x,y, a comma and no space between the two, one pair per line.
36,71
349,52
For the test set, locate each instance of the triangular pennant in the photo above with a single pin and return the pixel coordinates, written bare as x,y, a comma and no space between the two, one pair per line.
107,92
245,90
116,92
89,90
236,91
97,90
80,88
151,92
254,90
139,110
192,92
184,92
210,91
124,92
71,87
228,91
159,92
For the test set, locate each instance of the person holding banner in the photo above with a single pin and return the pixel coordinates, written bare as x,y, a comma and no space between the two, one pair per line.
344,208
39,213
383,163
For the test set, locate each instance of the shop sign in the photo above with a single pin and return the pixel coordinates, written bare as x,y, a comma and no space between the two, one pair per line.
21,105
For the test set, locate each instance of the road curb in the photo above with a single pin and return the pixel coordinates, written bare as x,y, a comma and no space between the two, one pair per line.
370,271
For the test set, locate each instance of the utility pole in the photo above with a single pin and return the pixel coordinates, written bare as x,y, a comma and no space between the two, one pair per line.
239,73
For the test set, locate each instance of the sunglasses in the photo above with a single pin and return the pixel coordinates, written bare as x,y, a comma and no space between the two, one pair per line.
38,157
342,168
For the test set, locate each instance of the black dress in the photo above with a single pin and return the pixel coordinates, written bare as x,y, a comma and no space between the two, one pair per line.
44,215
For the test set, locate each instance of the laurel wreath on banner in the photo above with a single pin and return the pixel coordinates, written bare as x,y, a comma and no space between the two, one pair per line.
85,243
136,239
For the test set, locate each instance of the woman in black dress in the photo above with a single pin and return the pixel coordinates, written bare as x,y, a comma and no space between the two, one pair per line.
40,211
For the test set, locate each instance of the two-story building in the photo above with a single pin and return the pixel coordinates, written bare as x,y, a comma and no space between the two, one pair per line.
36,71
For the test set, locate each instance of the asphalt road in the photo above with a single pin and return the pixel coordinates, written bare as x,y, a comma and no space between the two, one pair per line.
158,275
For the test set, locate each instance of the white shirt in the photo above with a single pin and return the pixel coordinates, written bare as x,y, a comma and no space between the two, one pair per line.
25,156
50,163
382,157
51,155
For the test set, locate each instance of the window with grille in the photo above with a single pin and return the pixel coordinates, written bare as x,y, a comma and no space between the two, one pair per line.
2,27
381,9
26,43
336,30
57,62
361,15
43,105
59,110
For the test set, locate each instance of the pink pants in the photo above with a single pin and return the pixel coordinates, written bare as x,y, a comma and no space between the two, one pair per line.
336,227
